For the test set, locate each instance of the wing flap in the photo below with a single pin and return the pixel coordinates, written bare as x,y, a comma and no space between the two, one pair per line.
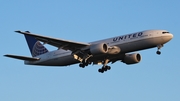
60,43
22,57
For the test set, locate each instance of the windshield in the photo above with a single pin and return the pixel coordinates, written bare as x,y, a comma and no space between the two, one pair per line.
165,32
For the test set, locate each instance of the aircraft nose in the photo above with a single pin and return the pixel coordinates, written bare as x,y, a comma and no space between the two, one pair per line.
168,37
171,36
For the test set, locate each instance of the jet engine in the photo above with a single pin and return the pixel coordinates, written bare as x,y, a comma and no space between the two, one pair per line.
99,48
132,58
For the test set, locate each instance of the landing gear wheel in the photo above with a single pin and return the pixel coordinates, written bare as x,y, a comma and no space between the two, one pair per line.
101,70
158,52
81,65
108,67
104,69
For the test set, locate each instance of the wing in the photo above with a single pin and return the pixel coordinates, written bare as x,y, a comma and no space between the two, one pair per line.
63,44
22,57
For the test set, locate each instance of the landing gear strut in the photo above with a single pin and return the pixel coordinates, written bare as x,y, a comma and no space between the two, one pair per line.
159,47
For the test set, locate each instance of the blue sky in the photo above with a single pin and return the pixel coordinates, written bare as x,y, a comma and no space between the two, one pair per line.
155,78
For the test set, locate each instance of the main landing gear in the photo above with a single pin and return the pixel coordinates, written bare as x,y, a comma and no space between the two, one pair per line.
159,47
105,67
83,59
84,63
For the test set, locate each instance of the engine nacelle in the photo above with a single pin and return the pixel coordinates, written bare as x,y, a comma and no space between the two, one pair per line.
99,48
132,58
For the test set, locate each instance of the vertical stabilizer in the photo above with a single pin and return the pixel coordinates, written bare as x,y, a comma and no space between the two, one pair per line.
35,47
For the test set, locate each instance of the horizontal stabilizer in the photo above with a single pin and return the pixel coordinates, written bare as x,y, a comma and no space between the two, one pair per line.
22,57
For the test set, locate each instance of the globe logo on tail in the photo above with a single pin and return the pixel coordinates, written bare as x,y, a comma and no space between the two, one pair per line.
38,49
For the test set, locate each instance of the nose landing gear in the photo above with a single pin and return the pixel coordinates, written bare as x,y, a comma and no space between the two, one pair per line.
159,47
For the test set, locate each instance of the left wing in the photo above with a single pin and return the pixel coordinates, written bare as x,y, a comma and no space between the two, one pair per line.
63,44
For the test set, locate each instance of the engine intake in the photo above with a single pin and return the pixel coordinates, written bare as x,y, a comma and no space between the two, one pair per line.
99,48
132,58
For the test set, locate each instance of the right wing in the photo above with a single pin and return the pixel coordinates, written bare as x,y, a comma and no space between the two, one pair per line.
63,44
22,57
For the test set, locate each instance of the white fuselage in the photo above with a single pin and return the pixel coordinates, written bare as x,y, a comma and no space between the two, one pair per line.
127,43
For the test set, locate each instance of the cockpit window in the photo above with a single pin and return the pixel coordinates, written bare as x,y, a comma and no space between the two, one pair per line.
164,32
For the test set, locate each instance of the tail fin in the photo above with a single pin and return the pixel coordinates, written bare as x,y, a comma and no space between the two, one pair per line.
35,47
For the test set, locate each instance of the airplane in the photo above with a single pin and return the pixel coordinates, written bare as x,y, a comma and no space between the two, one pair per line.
102,52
